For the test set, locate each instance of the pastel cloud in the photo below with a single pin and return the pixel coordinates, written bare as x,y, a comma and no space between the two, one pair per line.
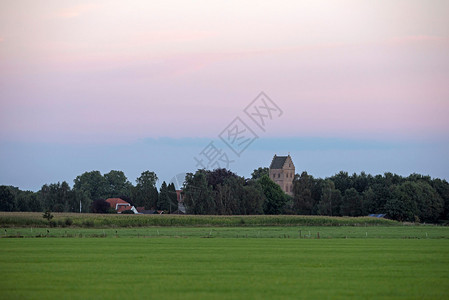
76,11
330,68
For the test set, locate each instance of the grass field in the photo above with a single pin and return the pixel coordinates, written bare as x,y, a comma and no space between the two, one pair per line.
289,232
227,268
27,219
213,257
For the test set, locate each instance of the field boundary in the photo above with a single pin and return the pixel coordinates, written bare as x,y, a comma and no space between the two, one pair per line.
20,219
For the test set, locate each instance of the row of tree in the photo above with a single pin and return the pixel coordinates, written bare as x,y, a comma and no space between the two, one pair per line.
222,192
90,189
412,198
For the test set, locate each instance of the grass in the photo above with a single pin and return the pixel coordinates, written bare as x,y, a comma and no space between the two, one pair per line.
288,232
227,268
115,220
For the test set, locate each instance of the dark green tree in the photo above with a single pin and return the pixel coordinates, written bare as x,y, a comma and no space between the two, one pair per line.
259,172
275,198
6,199
93,184
303,201
145,193
117,184
429,203
198,194
253,199
100,206
361,182
418,201
163,203
369,202
57,197
442,188
171,190
229,196
342,181
329,204
352,203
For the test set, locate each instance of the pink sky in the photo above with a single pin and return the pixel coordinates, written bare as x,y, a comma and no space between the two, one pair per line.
84,71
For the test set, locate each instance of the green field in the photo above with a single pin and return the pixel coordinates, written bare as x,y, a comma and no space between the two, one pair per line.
35,219
289,232
223,268
220,257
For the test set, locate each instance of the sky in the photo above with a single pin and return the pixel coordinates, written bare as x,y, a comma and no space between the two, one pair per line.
166,86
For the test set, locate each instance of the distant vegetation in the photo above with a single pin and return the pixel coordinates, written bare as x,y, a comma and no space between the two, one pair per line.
20,219
415,198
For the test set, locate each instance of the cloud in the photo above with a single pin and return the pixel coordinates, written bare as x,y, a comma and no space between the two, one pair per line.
76,11
419,38
2,40
173,35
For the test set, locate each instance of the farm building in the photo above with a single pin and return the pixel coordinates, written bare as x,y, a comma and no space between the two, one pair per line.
121,205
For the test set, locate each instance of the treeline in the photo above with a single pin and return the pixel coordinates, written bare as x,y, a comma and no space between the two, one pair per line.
89,192
221,192
415,198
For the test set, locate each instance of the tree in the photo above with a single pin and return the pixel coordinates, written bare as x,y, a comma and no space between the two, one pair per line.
399,209
403,205
352,203
100,206
218,176
163,203
93,184
342,181
117,184
361,182
229,196
57,197
442,188
275,198
253,199
31,200
415,200
198,194
171,190
82,200
6,199
303,201
259,172
330,201
369,202
429,203
145,193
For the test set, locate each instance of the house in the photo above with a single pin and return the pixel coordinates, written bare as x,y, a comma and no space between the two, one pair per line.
120,205
282,171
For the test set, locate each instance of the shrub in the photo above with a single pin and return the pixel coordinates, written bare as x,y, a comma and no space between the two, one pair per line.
47,215
68,222
88,223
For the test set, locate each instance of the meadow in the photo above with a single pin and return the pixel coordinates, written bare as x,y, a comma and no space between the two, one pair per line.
227,268
250,232
232,257
28,219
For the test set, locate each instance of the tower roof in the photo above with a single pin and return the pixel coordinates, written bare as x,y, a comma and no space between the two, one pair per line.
278,162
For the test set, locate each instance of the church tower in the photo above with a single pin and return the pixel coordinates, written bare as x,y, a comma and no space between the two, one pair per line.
282,171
